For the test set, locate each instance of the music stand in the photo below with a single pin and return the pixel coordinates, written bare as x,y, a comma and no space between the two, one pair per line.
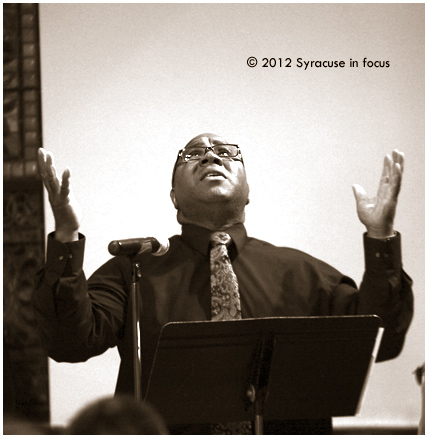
262,369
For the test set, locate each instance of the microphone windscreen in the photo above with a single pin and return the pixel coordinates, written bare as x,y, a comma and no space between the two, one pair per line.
129,247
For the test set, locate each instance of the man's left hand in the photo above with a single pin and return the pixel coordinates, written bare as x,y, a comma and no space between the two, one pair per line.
378,213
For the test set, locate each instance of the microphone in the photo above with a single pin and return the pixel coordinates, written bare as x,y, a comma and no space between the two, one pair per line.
137,246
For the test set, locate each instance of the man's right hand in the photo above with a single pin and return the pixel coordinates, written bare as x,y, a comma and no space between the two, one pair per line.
67,211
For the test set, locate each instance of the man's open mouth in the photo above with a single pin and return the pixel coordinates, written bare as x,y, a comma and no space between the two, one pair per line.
213,174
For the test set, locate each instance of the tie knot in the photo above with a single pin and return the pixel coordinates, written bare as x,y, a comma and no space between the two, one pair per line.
218,238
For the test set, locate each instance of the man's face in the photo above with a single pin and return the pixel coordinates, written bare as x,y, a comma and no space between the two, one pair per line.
211,178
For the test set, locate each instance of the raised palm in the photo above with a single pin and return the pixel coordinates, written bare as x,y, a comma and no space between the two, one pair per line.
378,213
67,211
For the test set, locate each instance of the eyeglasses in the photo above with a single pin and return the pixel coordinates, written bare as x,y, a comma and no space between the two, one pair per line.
224,151
227,151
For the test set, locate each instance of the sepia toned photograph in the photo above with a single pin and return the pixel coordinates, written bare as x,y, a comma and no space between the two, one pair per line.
213,218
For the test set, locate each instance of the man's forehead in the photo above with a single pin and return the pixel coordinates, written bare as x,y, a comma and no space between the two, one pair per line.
206,139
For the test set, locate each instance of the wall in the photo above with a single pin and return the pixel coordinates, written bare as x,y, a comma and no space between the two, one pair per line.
125,86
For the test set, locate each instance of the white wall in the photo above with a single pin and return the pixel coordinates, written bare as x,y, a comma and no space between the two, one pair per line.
125,86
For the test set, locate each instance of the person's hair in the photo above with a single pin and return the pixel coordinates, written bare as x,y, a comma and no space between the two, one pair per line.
120,414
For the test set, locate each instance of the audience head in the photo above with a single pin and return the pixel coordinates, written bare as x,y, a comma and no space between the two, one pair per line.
121,414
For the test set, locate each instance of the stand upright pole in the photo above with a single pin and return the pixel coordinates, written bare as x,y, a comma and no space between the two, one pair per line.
257,403
258,390
136,329
259,420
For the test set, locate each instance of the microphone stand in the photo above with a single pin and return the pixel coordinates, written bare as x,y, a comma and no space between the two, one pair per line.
136,275
133,248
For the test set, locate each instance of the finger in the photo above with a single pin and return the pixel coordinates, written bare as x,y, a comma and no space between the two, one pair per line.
386,176
65,183
44,161
50,179
51,171
396,180
41,161
398,157
387,169
359,193
397,168
387,163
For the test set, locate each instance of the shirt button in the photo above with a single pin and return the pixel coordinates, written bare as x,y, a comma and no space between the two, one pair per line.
377,255
61,258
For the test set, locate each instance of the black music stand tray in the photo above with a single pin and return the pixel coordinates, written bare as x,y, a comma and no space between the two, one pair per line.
262,369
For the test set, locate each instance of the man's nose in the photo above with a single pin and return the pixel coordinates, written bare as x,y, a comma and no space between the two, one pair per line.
210,157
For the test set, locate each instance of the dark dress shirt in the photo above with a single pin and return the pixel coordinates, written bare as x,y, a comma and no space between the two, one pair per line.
79,319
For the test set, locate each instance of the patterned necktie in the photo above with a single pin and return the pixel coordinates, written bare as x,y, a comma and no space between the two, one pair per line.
225,306
224,286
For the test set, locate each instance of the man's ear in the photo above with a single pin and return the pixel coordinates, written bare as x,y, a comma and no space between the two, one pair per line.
173,198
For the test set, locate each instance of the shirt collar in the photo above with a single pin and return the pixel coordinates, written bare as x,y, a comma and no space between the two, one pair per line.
198,237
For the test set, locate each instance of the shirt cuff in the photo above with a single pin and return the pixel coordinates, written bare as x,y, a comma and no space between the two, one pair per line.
383,254
65,258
